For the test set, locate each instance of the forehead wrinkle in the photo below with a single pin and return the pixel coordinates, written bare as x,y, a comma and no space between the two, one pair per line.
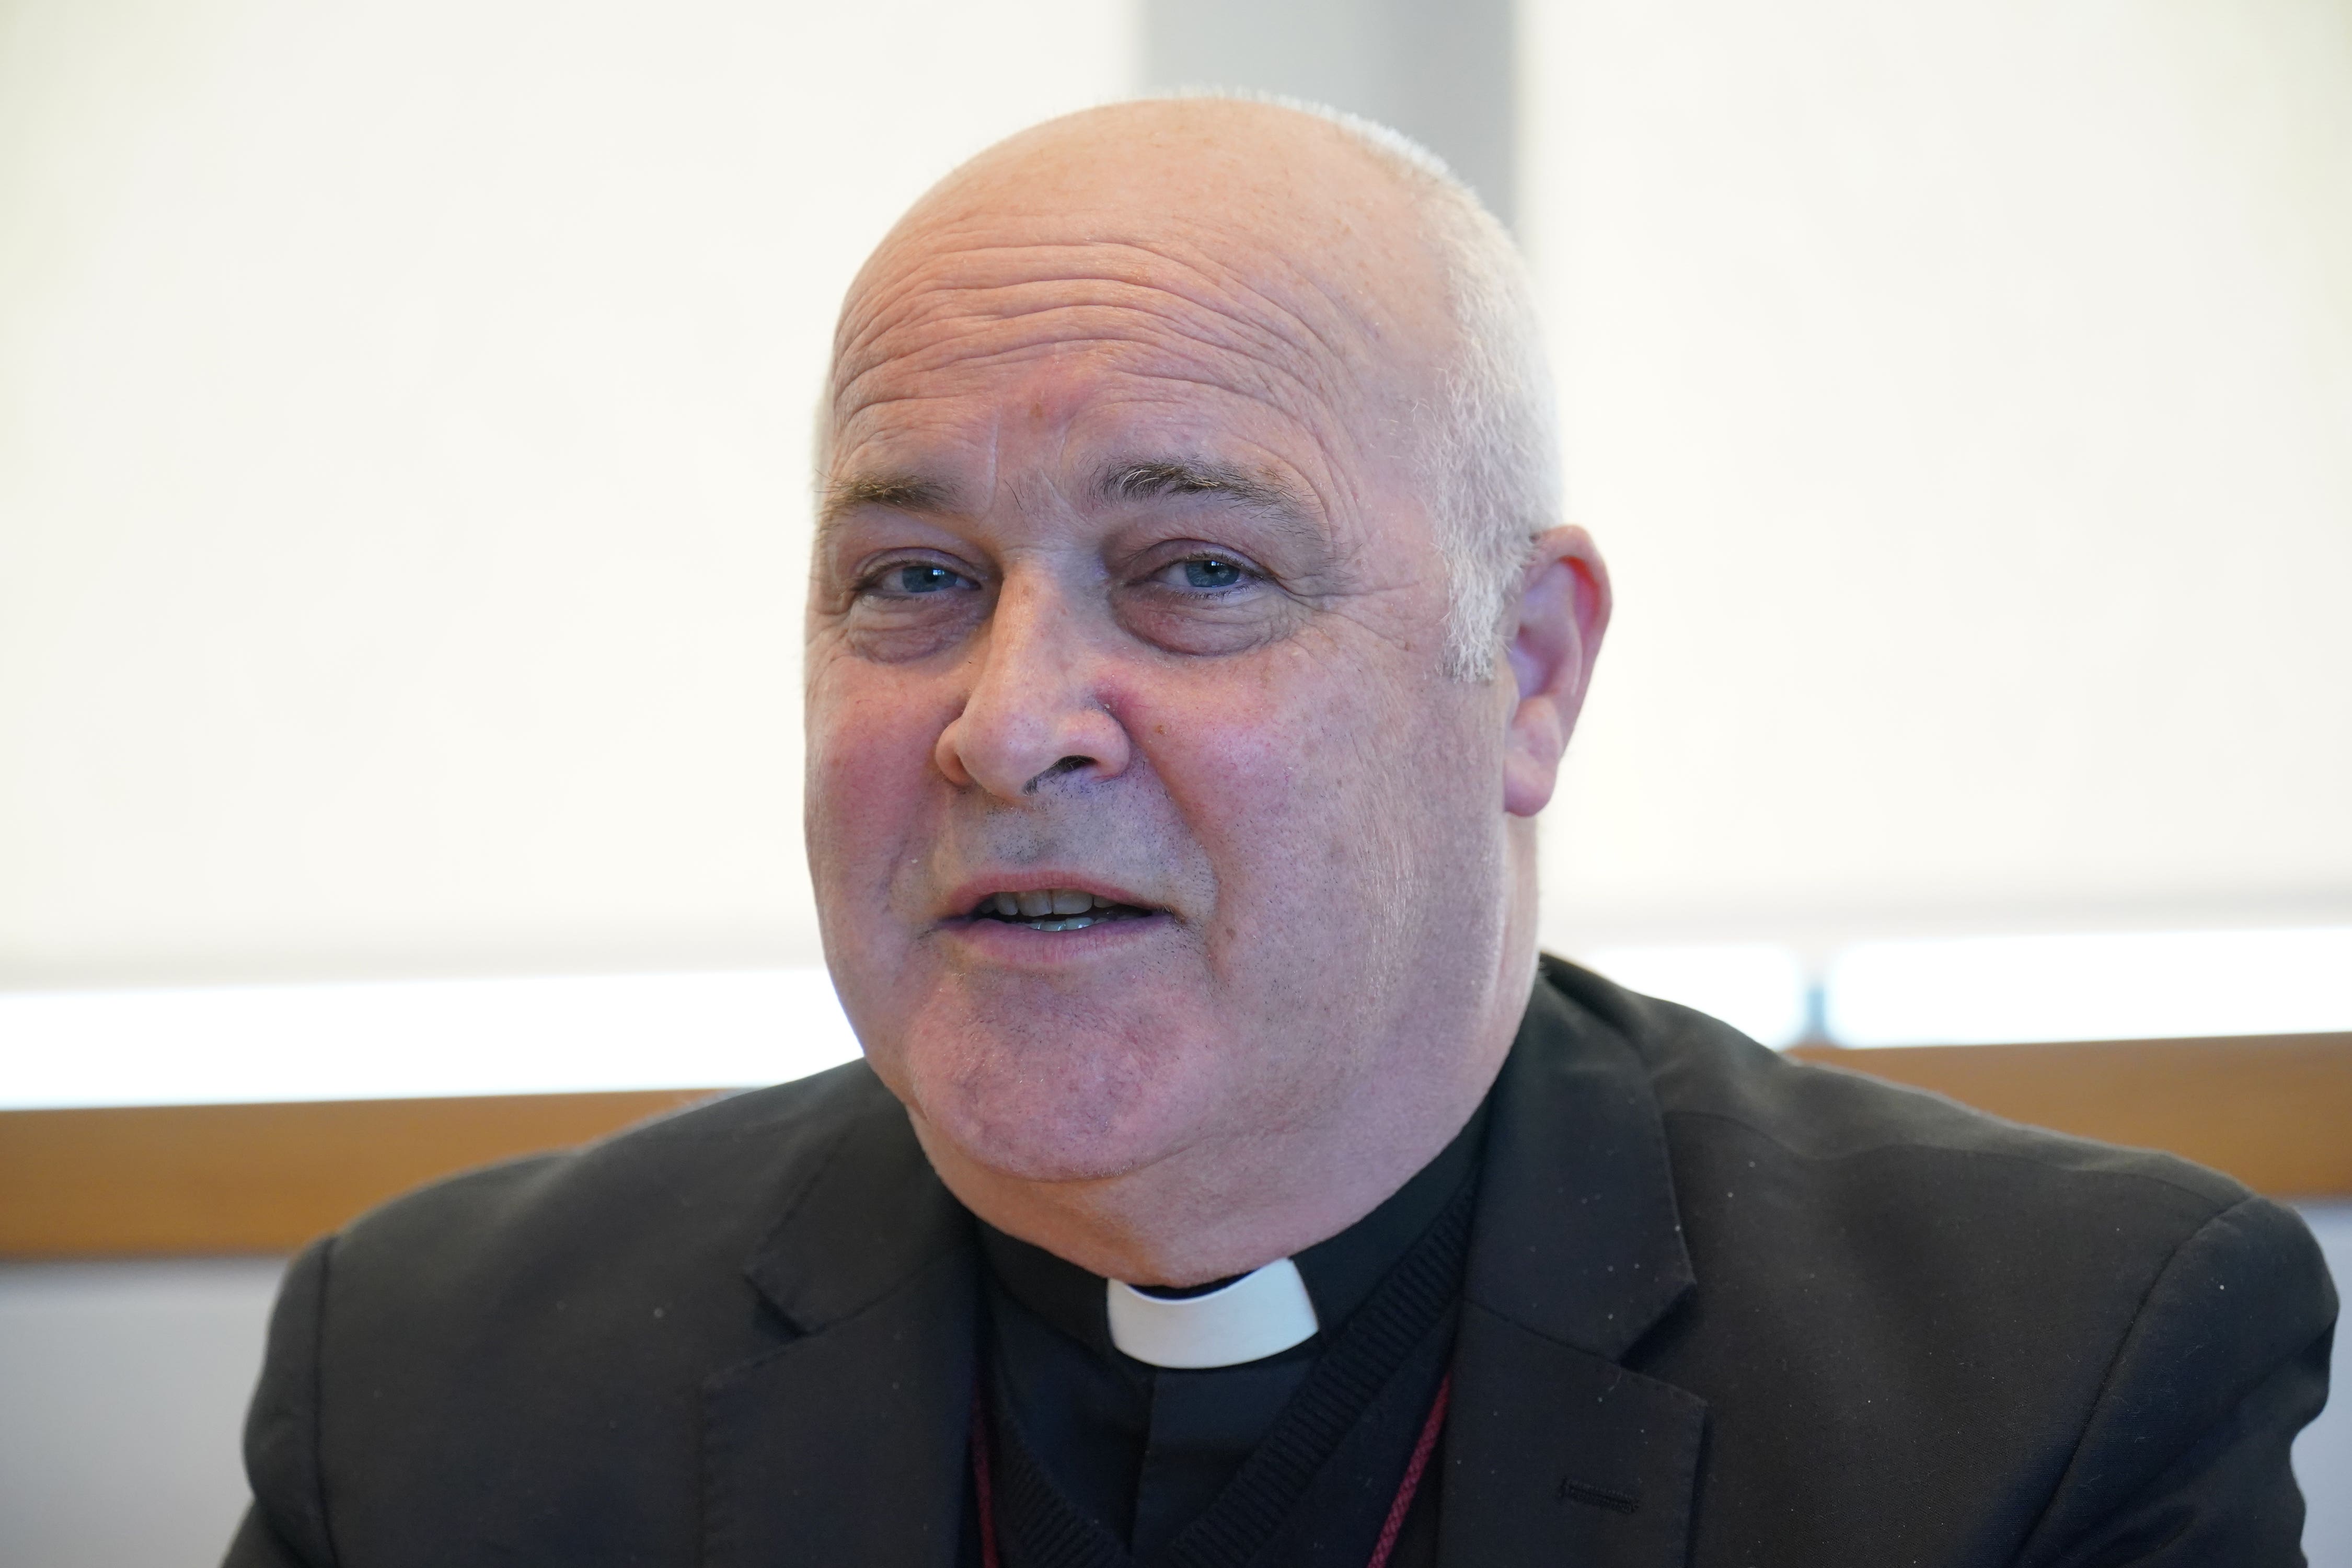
1280,384
963,309
1163,267
1010,336
1226,310
1238,374
1264,396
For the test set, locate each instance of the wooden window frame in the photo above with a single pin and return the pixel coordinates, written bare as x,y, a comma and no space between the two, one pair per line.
2275,1111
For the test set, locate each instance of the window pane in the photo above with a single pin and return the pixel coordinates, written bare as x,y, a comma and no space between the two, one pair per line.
404,412
1963,397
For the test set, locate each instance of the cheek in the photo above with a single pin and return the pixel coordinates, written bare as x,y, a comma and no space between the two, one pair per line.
1311,791
869,778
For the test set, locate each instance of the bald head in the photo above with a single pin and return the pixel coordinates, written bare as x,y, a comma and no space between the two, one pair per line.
1322,259
1253,209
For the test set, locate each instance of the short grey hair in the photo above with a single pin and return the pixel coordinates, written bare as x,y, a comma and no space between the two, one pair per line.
1489,461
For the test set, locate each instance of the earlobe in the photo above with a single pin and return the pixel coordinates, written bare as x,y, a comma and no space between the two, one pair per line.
1564,606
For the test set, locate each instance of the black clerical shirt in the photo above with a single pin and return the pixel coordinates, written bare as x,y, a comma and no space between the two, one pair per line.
1121,1460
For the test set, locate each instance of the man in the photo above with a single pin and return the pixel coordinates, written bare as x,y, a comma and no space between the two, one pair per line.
1191,645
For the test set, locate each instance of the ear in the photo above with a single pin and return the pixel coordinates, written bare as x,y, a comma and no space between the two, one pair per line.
1563,611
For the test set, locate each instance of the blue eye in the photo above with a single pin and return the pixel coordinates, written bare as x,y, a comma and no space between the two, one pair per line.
1211,574
922,577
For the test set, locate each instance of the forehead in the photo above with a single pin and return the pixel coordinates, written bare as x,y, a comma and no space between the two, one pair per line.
1004,342
1084,283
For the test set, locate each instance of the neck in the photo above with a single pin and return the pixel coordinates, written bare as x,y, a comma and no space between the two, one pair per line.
1218,1208
1226,1205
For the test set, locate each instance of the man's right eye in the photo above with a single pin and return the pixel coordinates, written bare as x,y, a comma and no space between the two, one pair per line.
911,608
914,577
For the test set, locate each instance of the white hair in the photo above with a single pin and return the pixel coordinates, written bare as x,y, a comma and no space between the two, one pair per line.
1489,461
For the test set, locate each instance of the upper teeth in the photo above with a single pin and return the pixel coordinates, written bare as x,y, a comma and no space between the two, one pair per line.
1047,901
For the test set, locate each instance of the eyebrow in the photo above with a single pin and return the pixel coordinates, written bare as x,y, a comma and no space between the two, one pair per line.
1265,495
1280,502
900,492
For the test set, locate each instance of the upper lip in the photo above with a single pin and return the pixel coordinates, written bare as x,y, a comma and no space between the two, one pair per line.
965,897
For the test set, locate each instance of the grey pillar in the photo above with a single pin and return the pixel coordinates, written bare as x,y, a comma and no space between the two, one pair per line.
1438,70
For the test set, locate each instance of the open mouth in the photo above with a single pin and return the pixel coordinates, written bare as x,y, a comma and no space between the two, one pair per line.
1054,909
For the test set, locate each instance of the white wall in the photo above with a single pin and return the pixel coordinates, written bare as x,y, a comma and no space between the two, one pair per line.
404,412
2323,1456
1962,391
123,1388
122,1394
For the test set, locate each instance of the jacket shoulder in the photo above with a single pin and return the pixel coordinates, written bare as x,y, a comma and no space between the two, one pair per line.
630,1252
530,1342
1891,1287
710,1168
1705,1072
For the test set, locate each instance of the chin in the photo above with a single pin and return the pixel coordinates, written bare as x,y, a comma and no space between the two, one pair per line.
1052,1101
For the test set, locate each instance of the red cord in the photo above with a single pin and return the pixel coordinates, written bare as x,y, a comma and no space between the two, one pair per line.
1422,1449
982,1489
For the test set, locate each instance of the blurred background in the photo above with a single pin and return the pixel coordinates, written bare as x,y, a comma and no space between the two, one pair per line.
405,423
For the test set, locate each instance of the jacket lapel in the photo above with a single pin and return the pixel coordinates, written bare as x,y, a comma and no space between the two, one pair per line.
1555,1453
848,1443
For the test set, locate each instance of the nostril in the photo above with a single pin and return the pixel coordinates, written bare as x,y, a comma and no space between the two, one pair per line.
1066,766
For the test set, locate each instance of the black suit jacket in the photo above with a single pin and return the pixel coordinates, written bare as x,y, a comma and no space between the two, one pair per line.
1721,1309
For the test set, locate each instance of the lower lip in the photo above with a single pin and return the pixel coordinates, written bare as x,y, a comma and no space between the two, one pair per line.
1005,941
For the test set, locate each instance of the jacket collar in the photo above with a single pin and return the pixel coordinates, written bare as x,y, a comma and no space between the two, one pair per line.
1578,1237
847,1443
1554,1451
863,1215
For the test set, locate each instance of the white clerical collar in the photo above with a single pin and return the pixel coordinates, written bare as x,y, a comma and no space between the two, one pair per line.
1262,1313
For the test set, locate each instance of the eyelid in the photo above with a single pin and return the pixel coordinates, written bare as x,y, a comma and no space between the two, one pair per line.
876,569
1176,552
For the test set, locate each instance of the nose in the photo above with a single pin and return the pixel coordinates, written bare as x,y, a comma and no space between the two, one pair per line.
1033,713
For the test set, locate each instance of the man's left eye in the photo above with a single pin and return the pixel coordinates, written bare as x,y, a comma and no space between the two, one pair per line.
1211,572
